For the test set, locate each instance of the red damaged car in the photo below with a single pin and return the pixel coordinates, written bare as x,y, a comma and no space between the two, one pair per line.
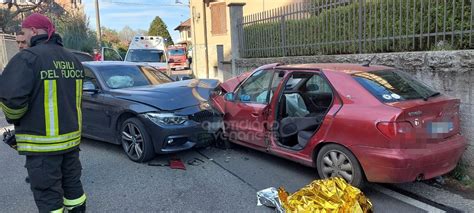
358,122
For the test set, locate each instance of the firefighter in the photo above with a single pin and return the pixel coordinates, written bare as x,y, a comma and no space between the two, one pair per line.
21,41
40,93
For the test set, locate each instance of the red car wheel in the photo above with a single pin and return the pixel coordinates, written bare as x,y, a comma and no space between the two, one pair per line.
336,161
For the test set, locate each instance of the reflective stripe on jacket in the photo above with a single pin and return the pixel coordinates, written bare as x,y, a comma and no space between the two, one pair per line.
41,92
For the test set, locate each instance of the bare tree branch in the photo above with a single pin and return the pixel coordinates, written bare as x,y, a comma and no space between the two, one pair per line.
22,9
14,8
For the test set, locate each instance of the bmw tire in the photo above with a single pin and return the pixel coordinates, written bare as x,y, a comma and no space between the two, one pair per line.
135,140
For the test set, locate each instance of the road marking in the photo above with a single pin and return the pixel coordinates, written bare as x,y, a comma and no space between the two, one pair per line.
407,199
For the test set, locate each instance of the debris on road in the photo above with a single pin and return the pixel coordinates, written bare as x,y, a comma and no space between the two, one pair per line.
440,180
158,164
177,164
195,162
269,198
174,163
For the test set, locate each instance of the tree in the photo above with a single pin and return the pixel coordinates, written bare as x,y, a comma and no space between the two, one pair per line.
74,31
142,32
111,38
9,15
159,28
72,26
126,34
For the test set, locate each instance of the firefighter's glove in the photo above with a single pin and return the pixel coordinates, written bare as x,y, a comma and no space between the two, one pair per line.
9,138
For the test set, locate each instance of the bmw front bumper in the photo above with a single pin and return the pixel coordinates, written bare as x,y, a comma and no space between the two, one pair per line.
175,138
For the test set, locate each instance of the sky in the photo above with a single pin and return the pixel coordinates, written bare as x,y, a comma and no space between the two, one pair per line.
116,14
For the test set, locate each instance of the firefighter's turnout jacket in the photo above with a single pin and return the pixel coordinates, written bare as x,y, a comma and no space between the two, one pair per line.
40,92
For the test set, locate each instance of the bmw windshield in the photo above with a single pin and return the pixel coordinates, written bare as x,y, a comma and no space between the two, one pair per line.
119,76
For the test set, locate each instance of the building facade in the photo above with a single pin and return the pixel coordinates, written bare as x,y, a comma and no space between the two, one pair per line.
185,34
210,24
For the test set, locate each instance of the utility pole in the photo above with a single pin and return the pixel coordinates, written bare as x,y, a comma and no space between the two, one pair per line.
204,8
97,21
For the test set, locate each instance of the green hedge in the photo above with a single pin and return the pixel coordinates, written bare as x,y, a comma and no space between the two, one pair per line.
320,32
73,27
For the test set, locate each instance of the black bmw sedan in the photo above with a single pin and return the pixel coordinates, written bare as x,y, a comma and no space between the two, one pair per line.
146,111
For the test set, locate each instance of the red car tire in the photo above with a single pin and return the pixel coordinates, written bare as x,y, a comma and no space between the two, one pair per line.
336,160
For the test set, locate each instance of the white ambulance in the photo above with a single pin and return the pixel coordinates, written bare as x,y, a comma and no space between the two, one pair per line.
149,50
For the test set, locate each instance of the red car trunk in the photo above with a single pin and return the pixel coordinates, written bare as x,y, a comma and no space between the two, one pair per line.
433,120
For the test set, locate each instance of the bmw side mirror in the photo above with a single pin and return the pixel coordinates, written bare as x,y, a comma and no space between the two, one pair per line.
89,87
229,96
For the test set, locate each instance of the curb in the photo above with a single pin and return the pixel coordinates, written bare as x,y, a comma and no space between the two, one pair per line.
428,204
431,195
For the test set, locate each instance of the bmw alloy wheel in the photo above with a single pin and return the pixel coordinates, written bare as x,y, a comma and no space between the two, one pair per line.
132,141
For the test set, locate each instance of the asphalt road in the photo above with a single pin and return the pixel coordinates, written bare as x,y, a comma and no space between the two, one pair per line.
3,121
227,181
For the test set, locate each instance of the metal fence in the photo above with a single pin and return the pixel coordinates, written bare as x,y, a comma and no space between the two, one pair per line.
8,48
357,26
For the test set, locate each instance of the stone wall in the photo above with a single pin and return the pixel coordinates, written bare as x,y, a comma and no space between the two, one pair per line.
450,72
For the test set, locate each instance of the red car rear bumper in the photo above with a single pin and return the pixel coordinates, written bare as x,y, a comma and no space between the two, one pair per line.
406,165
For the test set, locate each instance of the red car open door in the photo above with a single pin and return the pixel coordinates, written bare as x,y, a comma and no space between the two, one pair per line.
247,109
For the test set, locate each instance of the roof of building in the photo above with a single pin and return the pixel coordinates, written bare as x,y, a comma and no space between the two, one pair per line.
184,24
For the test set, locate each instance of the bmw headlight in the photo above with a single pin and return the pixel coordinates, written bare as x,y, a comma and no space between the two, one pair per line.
166,118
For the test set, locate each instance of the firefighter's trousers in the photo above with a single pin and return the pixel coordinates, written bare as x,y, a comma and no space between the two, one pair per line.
56,181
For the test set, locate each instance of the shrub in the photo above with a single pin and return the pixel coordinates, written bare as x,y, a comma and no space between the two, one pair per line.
389,26
73,27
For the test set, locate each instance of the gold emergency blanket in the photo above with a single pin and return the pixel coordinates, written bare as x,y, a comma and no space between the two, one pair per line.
328,195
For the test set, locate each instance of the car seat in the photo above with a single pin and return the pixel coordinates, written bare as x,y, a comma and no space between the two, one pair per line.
302,127
303,137
295,105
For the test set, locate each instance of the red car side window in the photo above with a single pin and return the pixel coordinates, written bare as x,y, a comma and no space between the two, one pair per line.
256,88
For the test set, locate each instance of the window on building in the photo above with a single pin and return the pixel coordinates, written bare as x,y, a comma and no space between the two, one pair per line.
189,34
218,18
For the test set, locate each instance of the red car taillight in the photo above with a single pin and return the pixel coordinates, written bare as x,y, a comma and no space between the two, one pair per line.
392,130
